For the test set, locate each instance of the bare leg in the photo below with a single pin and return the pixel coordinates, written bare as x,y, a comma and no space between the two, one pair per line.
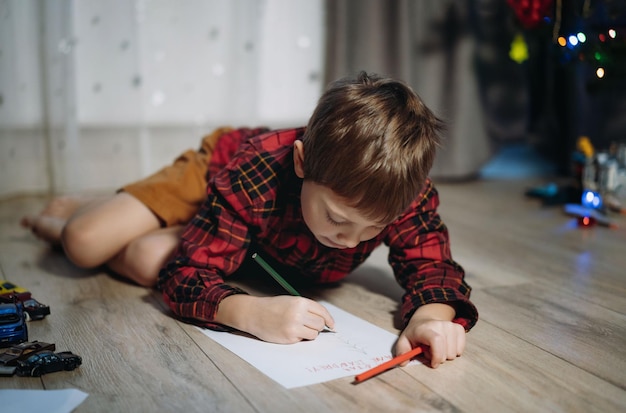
118,231
49,223
141,260
97,232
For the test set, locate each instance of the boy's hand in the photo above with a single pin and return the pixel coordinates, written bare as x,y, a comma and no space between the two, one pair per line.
282,319
431,328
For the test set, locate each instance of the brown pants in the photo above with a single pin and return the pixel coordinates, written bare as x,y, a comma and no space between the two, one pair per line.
174,193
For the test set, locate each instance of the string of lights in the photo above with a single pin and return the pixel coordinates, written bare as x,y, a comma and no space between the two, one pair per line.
593,32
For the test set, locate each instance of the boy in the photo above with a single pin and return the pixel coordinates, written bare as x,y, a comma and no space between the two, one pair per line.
315,202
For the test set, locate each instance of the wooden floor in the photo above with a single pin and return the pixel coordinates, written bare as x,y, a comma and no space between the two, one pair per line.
551,337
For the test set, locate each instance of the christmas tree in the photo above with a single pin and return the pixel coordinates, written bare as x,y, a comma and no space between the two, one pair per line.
576,52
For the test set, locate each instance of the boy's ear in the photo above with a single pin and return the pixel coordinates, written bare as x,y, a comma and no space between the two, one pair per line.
298,158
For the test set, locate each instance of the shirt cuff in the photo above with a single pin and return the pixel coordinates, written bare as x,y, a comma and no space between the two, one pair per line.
466,312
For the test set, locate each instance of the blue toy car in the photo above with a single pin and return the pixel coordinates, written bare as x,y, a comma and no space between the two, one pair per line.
13,328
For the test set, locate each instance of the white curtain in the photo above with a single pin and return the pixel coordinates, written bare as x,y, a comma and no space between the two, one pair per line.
97,93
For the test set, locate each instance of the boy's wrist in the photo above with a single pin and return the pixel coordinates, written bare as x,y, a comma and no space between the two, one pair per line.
434,311
233,311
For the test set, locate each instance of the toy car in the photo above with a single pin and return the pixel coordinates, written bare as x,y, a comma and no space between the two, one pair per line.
33,308
22,351
13,329
47,362
7,287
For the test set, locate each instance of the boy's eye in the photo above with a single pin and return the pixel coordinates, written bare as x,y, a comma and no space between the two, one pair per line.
332,221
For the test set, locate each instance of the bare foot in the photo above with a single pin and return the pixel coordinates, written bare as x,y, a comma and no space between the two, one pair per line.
49,224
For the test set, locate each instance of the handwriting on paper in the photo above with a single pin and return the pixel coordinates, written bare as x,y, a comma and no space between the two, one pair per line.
356,347
352,367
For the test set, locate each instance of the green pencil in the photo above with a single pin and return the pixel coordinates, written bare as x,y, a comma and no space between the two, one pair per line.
275,275
281,280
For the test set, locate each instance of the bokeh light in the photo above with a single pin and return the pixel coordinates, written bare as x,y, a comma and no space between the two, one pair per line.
573,40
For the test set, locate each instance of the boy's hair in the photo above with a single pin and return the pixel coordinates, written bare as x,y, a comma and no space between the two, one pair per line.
372,141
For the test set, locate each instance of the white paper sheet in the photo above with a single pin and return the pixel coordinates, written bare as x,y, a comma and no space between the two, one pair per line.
39,401
357,346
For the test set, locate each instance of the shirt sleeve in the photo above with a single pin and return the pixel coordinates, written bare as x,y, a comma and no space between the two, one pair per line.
213,245
419,254
240,200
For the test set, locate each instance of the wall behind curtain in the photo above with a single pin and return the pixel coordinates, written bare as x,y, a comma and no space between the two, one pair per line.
95,93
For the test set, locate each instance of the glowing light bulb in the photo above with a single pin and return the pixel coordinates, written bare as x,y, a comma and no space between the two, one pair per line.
600,72
581,37
591,199
573,40
562,41
596,202
612,33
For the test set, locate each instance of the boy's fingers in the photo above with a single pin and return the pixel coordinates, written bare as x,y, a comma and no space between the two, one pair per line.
403,345
460,340
452,348
310,334
447,346
321,311
438,349
314,322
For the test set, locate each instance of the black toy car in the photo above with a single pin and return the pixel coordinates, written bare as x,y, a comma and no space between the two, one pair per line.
22,351
35,310
47,362
32,307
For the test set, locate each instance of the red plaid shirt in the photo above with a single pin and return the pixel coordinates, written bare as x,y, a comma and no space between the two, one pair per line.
253,205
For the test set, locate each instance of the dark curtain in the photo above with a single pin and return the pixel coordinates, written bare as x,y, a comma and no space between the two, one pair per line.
432,46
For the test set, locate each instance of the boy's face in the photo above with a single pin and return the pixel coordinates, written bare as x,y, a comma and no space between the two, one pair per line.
330,218
333,222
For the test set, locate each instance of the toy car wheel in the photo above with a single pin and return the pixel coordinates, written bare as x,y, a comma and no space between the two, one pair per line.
36,371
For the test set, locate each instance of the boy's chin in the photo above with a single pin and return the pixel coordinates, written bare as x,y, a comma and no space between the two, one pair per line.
328,243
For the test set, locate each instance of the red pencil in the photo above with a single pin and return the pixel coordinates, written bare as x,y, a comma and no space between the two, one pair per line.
387,365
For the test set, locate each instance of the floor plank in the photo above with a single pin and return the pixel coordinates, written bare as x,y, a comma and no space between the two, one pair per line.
568,327
509,374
